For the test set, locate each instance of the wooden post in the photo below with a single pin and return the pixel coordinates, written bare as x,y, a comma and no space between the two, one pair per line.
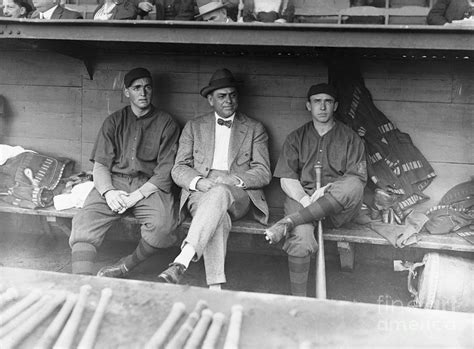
346,255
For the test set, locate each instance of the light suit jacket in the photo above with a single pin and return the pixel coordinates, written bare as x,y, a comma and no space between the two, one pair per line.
248,157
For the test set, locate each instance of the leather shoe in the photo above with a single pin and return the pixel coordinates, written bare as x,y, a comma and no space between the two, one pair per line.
173,274
117,270
278,230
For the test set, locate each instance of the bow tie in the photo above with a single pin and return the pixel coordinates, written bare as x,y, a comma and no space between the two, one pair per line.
222,122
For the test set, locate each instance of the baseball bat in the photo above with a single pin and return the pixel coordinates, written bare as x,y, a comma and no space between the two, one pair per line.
200,330
24,330
9,295
88,339
159,337
214,331
52,332
69,331
320,260
23,316
178,340
233,332
18,307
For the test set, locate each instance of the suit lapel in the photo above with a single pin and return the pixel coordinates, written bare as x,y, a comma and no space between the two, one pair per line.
208,135
114,12
237,136
57,13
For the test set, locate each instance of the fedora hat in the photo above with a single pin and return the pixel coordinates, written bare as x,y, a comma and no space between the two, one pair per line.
220,79
208,6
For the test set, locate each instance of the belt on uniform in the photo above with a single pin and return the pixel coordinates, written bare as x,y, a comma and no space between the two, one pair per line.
125,175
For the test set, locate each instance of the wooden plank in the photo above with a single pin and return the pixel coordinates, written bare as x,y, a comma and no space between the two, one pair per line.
410,89
41,112
252,65
346,255
352,233
408,11
409,69
273,62
401,3
248,37
45,68
97,106
300,319
463,91
85,164
442,132
170,63
319,7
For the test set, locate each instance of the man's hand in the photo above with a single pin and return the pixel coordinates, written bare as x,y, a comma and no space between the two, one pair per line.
116,200
145,6
320,192
205,184
132,198
229,180
306,201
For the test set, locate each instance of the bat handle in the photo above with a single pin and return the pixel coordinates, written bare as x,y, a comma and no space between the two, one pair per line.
318,170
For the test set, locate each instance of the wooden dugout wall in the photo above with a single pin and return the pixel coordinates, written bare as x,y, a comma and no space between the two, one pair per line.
53,106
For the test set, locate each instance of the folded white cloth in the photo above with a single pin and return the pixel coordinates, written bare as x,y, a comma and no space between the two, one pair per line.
8,152
74,199
466,22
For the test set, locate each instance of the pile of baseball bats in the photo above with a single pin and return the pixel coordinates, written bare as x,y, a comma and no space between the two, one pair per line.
201,328
21,315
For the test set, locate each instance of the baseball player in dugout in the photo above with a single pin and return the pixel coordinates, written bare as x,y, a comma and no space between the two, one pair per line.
340,152
221,166
133,156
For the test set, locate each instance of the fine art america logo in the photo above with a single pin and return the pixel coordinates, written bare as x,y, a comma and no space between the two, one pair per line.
396,322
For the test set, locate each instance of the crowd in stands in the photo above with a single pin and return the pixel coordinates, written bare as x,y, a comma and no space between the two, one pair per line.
224,11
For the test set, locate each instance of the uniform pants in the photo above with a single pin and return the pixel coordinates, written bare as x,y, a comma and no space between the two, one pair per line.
157,215
301,241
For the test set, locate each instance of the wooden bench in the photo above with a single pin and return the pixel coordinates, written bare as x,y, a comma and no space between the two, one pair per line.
345,237
340,12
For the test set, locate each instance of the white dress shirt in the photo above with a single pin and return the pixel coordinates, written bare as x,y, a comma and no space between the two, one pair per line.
105,12
220,160
267,6
48,14
221,145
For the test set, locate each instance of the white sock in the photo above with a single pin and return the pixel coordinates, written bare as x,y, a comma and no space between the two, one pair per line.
215,287
186,256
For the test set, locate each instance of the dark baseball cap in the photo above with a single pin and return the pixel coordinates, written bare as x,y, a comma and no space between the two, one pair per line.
134,74
322,88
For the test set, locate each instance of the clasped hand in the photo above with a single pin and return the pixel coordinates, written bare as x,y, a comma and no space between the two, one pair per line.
206,184
308,200
119,201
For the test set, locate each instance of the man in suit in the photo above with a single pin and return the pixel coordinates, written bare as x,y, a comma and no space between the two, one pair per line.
446,11
51,9
16,8
213,11
116,10
221,165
